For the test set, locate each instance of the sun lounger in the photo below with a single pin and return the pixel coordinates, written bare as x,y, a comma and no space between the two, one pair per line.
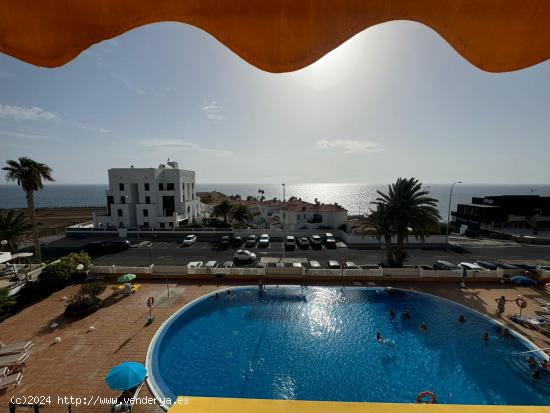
126,399
14,348
11,380
14,362
3,372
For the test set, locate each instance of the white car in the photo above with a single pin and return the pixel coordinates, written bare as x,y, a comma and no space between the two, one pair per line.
189,240
212,264
471,266
195,264
244,256
314,265
264,241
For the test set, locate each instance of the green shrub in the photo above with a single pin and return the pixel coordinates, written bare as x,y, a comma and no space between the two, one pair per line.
54,277
81,306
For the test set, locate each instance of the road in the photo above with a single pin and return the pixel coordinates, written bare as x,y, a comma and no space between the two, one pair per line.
171,253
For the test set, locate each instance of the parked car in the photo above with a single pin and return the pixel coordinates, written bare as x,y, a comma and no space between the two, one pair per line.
334,265
107,246
212,264
244,256
303,243
370,266
487,265
189,240
506,266
297,265
237,242
314,265
290,243
330,242
251,241
225,241
350,265
426,267
264,241
445,265
316,242
195,264
471,266
327,235
228,264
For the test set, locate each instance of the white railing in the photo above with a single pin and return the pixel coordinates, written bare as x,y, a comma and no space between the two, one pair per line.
441,274
295,272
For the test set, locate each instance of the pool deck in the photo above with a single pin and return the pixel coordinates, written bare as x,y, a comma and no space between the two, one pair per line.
78,364
214,404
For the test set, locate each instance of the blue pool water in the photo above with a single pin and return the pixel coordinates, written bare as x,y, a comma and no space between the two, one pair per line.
320,344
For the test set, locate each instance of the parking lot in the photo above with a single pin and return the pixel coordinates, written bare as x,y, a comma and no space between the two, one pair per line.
172,253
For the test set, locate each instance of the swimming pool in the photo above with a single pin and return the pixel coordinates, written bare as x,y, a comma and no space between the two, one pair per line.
320,343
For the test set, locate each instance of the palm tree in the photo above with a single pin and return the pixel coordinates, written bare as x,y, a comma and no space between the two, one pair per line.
222,210
12,226
241,214
379,218
262,193
405,209
30,175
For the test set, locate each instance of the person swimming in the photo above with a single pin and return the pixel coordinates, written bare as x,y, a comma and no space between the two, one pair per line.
532,361
406,315
461,319
536,374
217,295
392,314
423,326
486,337
379,336
545,365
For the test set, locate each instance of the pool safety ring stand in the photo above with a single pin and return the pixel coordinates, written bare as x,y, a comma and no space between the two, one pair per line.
421,398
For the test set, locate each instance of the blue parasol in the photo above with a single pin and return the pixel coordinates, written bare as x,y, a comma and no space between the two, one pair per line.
523,280
126,375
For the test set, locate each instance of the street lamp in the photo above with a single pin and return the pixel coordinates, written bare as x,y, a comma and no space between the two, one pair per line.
4,242
284,217
449,214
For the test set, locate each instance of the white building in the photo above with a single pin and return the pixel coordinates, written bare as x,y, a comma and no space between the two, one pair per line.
296,214
162,197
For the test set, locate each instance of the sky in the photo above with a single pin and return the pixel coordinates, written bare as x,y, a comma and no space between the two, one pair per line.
395,100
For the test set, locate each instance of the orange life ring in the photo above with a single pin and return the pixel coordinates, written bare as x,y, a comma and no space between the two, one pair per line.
521,302
421,398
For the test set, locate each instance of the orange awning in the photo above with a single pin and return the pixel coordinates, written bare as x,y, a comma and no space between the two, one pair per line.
280,35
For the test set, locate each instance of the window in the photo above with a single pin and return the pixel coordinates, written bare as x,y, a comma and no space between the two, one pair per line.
171,224
192,191
161,187
121,224
147,186
147,199
170,186
145,224
162,224
119,212
121,187
122,199
145,212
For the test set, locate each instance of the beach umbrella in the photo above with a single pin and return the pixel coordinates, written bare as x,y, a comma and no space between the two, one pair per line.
126,278
126,375
523,280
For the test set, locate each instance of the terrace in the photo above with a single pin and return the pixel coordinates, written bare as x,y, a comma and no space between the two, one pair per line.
78,364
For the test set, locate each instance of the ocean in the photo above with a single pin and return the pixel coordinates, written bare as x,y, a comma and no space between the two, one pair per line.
354,197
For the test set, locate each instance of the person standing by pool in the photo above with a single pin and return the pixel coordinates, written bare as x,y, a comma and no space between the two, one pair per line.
501,304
